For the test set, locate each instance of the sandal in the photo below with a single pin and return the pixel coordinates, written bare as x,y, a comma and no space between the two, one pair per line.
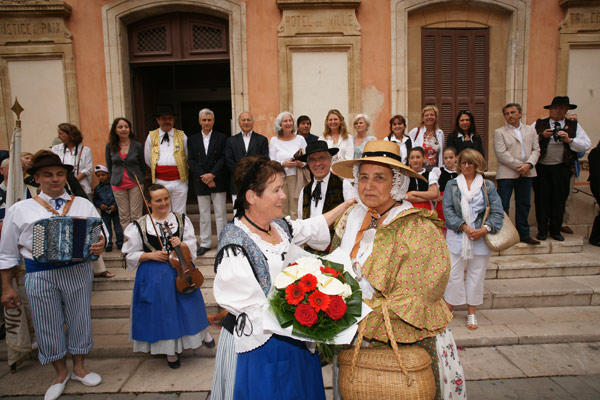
105,274
472,322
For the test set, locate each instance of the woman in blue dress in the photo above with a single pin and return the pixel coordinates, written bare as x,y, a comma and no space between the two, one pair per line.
163,320
253,249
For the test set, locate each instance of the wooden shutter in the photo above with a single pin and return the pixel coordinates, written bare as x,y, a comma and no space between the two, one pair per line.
455,75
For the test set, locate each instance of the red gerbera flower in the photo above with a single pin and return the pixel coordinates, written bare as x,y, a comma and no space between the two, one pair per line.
308,283
293,294
329,270
319,301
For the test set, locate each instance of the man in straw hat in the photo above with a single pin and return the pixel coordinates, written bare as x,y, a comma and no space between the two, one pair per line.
165,153
400,258
58,294
560,141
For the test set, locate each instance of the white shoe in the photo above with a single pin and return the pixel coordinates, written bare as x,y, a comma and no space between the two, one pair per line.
91,379
56,390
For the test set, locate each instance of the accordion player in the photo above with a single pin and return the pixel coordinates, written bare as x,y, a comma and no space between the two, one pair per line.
58,240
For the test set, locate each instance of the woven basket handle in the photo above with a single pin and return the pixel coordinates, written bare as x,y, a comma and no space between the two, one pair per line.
390,333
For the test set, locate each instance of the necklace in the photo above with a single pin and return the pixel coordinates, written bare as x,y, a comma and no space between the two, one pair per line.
267,231
374,220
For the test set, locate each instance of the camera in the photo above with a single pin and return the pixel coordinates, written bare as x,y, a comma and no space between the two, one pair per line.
555,135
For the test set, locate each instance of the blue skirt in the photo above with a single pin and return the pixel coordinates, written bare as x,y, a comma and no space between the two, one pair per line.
158,310
282,368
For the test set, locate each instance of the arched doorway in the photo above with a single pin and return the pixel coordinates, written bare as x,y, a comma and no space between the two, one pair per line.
180,60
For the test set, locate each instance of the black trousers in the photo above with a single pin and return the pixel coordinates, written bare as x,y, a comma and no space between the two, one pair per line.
595,234
551,187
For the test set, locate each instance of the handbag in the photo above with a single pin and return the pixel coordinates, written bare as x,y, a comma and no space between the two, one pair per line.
505,237
373,373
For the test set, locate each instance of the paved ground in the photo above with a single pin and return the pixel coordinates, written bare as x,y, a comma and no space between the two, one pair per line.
527,372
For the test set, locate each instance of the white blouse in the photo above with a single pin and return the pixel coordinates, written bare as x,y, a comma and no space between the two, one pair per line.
81,160
284,150
237,290
346,147
134,246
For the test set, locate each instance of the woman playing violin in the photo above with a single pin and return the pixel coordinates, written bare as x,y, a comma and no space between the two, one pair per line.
163,320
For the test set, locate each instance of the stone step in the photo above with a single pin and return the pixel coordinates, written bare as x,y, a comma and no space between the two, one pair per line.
571,244
542,292
536,325
117,303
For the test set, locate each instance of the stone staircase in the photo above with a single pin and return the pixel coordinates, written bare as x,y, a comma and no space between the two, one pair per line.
533,295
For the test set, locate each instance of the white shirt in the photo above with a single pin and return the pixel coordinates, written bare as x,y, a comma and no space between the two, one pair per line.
206,140
17,231
434,176
237,290
81,160
134,247
317,209
165,152
402,146
346,147
520,138
246,139
284,150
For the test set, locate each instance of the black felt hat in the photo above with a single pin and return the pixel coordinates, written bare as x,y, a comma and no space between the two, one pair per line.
47,159
164,110
315,147
561,101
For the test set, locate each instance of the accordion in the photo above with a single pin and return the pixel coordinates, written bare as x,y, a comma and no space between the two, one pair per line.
59,240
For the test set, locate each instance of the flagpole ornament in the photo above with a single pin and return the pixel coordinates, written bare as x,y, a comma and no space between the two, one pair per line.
17,109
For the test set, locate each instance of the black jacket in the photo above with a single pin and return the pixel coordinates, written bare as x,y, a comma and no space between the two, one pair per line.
235,151
202,162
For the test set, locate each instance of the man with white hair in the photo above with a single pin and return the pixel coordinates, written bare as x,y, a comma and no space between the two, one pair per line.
209,173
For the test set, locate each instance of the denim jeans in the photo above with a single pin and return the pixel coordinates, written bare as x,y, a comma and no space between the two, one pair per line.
522,189
113,219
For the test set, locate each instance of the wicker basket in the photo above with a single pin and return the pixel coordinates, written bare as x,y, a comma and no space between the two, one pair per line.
385,372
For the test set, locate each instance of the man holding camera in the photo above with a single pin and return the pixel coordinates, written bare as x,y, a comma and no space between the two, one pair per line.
560,140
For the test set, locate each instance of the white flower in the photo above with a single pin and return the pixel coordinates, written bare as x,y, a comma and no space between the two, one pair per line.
330,285
309,265
347,292
287,277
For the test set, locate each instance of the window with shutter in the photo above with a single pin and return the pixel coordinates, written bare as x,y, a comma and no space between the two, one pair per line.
455,75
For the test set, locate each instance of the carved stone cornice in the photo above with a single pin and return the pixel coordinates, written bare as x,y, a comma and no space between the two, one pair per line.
34,21
305,4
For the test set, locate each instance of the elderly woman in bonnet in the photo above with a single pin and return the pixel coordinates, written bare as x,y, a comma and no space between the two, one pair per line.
465,201
400,259
253,249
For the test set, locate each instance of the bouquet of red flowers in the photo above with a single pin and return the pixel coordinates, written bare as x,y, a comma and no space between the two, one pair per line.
317,298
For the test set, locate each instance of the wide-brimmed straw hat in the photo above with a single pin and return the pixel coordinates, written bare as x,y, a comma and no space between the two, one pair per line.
47,159
379,151
561,101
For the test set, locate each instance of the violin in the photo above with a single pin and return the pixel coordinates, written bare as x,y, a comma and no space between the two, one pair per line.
189,278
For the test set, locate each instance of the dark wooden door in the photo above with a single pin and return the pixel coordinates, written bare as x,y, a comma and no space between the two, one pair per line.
455,75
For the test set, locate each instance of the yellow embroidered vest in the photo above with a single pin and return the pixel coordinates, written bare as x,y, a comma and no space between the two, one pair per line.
178,153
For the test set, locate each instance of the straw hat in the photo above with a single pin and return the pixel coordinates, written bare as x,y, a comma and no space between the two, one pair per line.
379,151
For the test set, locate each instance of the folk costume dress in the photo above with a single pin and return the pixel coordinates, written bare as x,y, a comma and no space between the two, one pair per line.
406,261
269,366
163,320
420,185
444,175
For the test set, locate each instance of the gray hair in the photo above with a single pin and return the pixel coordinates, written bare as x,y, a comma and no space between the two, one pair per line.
245,112
5,163
363,116
509,105
206,111
277,126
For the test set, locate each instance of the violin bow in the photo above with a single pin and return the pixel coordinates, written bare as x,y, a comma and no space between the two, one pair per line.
148,211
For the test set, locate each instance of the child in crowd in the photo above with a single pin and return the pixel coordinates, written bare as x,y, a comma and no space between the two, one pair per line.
104,199
444,174
421,193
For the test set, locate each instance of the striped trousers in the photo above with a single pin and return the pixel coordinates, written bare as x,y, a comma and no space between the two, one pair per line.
58,297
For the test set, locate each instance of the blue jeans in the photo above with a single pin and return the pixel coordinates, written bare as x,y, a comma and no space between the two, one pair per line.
113,219
522,189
